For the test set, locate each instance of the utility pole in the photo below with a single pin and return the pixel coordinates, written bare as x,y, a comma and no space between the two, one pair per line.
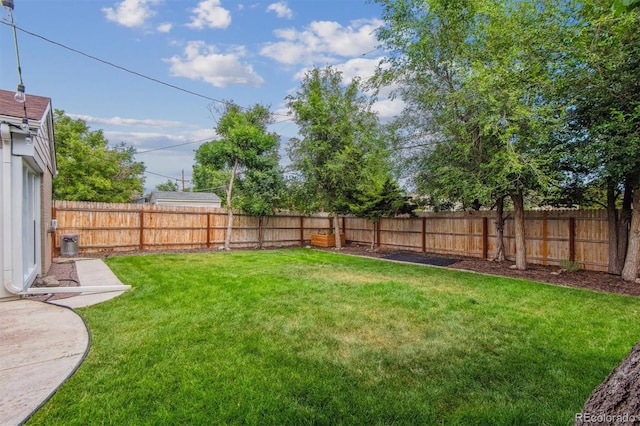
182,180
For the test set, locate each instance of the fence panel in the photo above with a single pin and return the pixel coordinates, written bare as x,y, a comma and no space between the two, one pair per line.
551,236
401,233
592,240
359,230
282,231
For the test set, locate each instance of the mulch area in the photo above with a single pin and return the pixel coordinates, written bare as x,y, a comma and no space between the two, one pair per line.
592,280
64,270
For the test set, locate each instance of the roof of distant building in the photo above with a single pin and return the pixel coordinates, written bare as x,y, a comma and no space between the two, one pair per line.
184,196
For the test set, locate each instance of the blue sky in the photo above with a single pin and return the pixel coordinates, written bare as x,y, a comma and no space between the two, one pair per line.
245,51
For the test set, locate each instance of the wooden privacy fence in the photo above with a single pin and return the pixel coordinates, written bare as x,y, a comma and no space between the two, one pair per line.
552,236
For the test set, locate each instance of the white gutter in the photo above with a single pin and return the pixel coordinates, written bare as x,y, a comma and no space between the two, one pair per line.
5,212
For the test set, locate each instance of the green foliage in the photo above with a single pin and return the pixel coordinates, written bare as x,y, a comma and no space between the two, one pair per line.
244,159
570,265
604,132
340,142
262,188
209,179
379,199
169,185
622,6
478,100
91,170
292,337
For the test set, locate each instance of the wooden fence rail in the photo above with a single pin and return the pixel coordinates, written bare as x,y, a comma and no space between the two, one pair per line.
552,236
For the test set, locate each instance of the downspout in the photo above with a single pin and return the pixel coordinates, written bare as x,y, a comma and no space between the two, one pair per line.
5,212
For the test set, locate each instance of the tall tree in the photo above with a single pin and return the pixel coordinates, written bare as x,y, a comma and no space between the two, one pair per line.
470,73
338,134
603,127
378,198
262,191
91,170
244,147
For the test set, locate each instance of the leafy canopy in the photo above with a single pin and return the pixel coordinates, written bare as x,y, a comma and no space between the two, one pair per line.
477,80
91,170
244,158
340,141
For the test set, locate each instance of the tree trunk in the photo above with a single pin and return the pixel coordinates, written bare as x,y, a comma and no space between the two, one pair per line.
618,224
624,224
631,263
336,231
521,248
617,396
227,238
499,255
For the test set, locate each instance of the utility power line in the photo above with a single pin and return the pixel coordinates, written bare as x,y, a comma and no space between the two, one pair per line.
122,68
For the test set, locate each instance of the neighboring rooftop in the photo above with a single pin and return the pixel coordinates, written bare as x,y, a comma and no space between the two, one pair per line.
203,199
36,106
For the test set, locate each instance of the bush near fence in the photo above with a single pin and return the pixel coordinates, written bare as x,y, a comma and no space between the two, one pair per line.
552,236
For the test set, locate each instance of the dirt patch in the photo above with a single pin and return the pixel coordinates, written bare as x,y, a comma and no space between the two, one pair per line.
418,258
64,270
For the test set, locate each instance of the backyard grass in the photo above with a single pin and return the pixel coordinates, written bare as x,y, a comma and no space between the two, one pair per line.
311,337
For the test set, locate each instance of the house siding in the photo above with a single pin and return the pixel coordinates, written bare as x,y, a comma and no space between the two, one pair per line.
40,115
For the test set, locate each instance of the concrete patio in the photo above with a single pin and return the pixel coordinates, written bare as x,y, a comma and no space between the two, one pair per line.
43,343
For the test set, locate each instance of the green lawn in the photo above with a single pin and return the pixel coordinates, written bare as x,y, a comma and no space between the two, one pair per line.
310,337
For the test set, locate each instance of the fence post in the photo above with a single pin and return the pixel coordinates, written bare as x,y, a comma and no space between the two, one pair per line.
545,237
485,237
572,239
141,230
301,230
208,230
378,232
424,234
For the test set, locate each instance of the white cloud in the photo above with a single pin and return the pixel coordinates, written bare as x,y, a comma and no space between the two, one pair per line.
323,42
388,108
143,140
203,62
131,13
132,122
165,27
281,9
209,14
360,67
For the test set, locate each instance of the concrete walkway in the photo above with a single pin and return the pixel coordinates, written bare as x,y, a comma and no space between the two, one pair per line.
42,344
